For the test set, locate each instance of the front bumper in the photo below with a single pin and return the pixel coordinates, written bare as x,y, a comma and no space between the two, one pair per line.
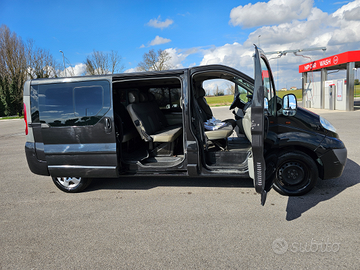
334,160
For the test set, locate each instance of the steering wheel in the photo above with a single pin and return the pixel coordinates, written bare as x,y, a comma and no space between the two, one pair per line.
237,102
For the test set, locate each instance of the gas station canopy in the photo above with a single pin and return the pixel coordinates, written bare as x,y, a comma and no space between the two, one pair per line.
318,96
338,61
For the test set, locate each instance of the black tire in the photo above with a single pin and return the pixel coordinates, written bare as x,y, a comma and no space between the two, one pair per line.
71,184
296,174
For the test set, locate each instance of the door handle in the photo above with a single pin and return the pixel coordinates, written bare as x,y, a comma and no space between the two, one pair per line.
107,125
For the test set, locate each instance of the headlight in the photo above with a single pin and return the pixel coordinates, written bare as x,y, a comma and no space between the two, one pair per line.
327,125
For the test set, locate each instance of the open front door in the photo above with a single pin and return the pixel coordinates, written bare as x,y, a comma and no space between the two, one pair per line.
263,92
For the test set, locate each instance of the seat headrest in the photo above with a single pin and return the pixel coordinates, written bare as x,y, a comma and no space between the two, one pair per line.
143,97
133,97
151,97
202,92
199,91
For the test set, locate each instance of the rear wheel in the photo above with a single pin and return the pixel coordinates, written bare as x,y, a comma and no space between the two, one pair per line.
296,174
71,184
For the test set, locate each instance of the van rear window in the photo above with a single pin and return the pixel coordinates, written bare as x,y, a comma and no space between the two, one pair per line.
73,104
167,98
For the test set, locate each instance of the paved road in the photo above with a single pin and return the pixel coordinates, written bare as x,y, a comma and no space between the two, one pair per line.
176,223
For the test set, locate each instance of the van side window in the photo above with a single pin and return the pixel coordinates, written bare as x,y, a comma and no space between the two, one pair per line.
243,93
88,101
73,104
34,101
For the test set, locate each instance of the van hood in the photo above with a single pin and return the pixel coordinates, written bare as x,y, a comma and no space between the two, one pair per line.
312,121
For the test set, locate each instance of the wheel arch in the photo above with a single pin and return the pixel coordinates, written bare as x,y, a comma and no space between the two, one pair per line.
291,148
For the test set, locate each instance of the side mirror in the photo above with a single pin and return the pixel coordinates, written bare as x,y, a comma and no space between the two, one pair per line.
289,105
266,104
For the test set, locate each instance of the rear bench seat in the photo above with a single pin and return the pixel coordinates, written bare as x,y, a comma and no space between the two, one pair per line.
149,121
124,123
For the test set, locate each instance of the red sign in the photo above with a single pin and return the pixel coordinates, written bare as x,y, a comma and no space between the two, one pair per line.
265,74
342,58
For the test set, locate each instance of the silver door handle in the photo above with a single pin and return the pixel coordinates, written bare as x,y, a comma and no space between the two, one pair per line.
107,125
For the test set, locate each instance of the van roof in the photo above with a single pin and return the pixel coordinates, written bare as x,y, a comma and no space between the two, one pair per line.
114,77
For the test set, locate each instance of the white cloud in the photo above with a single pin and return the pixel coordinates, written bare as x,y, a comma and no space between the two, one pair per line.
211,86
272,12
157,23
336,31
159,40
77,70
176,58
348,10
130,70
234,55
317,30
352,15
345,22
292,34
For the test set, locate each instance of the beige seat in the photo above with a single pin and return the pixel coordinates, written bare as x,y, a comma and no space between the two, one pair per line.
149,121
246,122
218,134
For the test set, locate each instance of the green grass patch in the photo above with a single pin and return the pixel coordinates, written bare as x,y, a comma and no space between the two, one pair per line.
297,93
11,117
214,101
219,100
357,90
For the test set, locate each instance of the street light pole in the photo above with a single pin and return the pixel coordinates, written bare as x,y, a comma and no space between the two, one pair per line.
63,62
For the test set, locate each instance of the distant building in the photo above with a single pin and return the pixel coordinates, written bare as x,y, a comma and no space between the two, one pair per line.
293,88
283,89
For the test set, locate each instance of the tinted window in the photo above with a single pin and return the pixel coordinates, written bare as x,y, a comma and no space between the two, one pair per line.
75,104
175,95
88,100
167,98
34,101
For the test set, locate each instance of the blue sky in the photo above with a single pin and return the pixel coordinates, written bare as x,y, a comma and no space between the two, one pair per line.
193,32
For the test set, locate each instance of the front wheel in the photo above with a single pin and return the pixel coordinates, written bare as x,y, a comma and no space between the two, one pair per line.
296,174
71,184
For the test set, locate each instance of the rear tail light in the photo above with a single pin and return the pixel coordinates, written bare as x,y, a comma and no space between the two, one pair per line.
26,122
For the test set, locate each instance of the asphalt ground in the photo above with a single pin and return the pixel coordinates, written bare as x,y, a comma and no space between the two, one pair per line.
176,223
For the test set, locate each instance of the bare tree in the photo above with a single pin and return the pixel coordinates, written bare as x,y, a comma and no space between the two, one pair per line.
153,61
20,61
99,63
40,63
12,71
230,88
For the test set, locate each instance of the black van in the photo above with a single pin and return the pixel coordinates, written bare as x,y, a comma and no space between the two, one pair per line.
149,123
